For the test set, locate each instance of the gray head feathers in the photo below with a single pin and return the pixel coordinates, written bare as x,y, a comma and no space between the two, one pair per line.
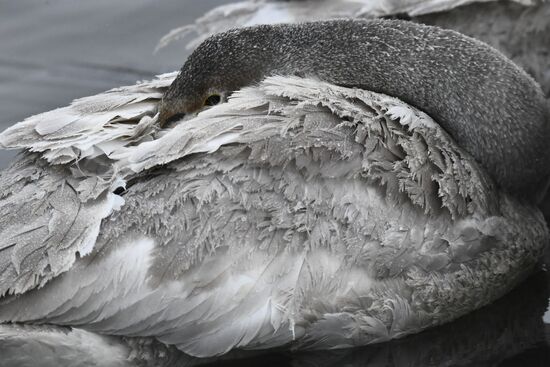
490,106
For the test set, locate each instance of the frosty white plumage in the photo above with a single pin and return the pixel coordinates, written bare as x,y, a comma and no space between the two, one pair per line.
301,213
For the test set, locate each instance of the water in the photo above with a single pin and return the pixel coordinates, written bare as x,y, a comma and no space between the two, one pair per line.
54,51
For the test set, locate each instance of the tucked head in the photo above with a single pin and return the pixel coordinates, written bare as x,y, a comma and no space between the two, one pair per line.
222,64
490,107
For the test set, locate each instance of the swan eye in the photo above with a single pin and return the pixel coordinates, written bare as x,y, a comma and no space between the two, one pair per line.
212,100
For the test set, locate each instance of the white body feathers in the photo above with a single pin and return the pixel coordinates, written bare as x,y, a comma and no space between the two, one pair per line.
298,214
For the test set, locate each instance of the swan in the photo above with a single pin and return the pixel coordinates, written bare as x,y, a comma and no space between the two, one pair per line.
304,212
519,29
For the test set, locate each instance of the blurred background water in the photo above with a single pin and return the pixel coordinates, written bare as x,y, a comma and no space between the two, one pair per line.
52,52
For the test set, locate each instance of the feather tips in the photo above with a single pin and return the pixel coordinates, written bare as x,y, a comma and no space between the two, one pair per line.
297,213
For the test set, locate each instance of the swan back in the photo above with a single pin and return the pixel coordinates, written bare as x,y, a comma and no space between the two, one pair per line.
489,105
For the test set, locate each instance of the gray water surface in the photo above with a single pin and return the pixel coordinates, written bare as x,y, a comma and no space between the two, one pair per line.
52,52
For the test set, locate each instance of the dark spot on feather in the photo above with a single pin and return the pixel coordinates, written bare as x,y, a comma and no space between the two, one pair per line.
119,190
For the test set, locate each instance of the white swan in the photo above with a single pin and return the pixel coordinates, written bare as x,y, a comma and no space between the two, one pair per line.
256,224
300,214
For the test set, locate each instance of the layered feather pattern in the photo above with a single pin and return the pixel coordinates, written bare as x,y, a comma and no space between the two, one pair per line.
298,214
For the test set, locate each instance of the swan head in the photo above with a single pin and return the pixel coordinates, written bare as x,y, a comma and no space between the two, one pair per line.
491,108
222,64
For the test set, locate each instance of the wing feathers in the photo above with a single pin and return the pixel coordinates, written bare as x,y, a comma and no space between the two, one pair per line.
295,208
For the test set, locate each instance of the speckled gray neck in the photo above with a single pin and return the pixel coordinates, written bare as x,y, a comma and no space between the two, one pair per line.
490,106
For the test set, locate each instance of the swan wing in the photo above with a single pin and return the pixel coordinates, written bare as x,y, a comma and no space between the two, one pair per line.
298,212
55,196
92,126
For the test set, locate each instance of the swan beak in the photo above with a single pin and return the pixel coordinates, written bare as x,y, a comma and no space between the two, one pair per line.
167,115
